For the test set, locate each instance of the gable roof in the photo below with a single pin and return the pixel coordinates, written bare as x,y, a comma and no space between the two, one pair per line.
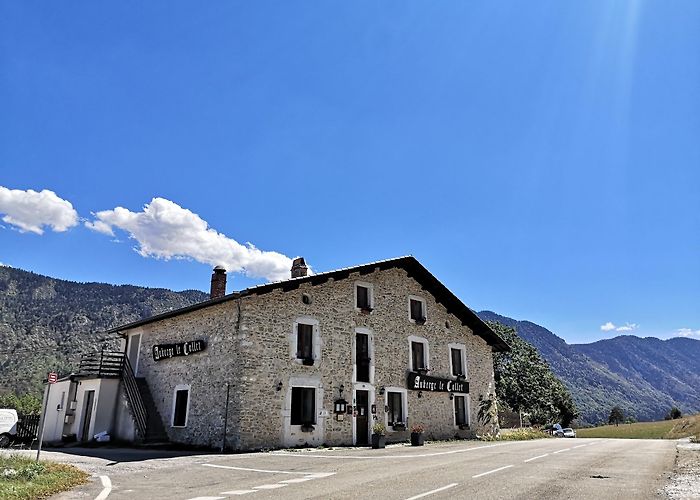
409,263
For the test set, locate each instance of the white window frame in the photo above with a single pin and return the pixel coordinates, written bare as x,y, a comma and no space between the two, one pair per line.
467,409
370,339
462,348
316,339
426,351
422,301
370,287
404,406
181,387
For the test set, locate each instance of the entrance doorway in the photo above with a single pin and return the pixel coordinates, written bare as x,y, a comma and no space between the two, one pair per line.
362,419
87,415
133,351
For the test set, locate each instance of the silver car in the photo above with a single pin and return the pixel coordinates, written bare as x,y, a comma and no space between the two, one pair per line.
569,432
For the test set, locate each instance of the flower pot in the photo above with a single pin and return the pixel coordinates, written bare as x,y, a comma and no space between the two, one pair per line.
417,439
378,441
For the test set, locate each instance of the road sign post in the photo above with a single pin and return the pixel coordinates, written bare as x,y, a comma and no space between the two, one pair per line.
52,378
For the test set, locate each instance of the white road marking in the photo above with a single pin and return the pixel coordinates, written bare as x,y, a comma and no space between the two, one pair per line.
316,474
492,471
297,480
238,492
433,491
206,498
579,446
560,451
535,458
106,488
389,457
269,486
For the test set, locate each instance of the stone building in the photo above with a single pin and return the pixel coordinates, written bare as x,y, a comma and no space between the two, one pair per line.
315,359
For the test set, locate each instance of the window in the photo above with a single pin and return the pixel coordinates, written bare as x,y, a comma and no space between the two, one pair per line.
305,335
181,403
417,310
303,406
362,359
418,355
457,368
460,410
363,301
395,404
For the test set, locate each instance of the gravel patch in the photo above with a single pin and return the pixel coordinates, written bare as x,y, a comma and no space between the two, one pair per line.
685,481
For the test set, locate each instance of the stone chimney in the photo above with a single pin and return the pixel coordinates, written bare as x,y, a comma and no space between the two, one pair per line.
299,268
218,283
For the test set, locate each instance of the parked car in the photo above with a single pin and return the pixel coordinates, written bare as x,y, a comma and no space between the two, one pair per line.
569,433
8,426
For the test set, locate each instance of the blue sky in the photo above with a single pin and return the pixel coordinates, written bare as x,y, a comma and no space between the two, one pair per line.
541,159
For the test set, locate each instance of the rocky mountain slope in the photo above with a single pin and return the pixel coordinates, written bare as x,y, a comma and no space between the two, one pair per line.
46,323
644,376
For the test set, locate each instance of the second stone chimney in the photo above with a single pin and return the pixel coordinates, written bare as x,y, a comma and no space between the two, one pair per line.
299,268
218,283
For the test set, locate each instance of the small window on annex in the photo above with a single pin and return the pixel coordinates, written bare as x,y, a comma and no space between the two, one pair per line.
395,404
417,310
180,408
364,298
460,410
305,348
418,361
303,406
457,365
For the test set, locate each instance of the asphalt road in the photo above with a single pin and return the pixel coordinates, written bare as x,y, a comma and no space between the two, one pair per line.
549,468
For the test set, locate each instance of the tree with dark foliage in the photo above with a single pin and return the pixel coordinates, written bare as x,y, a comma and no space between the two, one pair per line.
617,416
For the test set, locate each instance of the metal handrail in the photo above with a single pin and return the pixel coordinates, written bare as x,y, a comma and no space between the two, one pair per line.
133,396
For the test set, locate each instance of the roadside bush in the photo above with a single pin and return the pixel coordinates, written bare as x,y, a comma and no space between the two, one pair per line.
517,435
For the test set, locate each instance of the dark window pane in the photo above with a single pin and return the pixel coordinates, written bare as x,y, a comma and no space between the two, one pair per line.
417,310
305,341
303,406
395,408
363,297
418,355
362,357
180,415
457,368
460,410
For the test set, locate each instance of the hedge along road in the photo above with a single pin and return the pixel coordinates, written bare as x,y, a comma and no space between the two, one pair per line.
549,468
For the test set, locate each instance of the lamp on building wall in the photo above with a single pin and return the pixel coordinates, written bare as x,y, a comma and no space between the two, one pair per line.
420,394
381,391
452,396
279,386
340,406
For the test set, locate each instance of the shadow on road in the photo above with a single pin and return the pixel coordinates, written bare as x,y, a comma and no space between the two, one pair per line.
118,455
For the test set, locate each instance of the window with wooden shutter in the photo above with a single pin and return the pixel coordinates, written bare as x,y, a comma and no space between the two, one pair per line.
305,335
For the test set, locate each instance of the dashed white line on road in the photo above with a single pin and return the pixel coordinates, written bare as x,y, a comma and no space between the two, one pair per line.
238,492
579,446
297,480
560,451
206,498
535,458
269,486
433,491
316,474
106,488
492,471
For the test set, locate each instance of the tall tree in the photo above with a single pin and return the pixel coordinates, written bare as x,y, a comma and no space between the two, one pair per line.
525,383
617,416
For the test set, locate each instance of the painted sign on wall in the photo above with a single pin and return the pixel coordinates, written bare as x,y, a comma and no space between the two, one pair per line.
418,382
166,351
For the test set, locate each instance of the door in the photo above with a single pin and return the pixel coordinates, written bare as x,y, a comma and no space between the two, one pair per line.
87,415
362,419
133,351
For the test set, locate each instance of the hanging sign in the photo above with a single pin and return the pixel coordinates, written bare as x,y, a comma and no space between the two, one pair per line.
53,377
165,351
418,382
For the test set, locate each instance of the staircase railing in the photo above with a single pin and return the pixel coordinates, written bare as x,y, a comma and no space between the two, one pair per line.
133,396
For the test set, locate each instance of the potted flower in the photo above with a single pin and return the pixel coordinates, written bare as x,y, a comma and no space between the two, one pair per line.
378,436
417,435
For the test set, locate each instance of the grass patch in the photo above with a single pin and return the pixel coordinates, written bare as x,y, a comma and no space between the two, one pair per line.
23,478
517,435
664,429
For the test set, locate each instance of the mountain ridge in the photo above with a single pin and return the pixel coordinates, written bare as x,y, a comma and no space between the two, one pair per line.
645,376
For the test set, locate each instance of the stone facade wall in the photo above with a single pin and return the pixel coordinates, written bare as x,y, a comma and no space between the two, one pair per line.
252,344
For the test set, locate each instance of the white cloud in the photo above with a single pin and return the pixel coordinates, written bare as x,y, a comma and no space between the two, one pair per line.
628,327
687,332
165,230
32,211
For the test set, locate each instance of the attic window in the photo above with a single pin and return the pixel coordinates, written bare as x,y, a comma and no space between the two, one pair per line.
364,300
306,299
417,310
